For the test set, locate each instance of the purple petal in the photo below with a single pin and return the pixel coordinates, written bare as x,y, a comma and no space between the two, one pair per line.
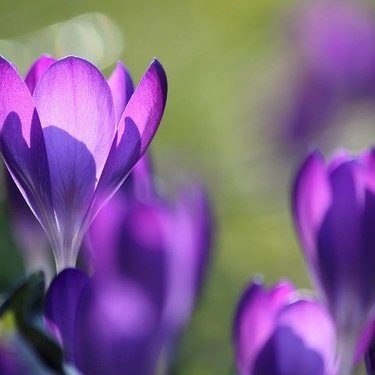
141,249
368,158
312,109
146,106
285,354
311,322
189,238
201,218
188,243
103,237
137,127
116,331
61,306
310,201
22,143
36,70
255,320
75,106
121,86
340,157
140,183
367,253
342,242
337,40
339,242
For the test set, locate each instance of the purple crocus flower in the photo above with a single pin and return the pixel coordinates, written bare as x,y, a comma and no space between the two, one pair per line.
335,42
161,246
280,332
148,257
69,139
107,326
334,213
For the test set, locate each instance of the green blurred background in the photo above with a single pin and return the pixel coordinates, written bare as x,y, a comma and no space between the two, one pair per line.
228,64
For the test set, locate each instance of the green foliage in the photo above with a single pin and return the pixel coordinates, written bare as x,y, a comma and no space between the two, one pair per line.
25,305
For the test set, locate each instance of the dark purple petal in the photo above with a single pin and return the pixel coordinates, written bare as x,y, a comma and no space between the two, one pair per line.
201,219
61,306
121,86
116,331
137,127
343,242
278,333
337,41
255,320
141,249
36,70
140,184
366,346
75,106
146,106
310,201
340,251
286,354
189,243
22,144
103,237
311,322
312,108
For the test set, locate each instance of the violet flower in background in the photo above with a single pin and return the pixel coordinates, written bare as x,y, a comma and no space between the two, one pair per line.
148,259
281,332
336,49
162,246
64,145
106,326
334,213
336,40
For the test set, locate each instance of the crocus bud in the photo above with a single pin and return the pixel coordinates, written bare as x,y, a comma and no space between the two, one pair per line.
279,332
334,213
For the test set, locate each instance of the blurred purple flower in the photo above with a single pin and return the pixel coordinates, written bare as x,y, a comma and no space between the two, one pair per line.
69,139
106,326
336,46
280,332
165,248
334,213
337,42
149,258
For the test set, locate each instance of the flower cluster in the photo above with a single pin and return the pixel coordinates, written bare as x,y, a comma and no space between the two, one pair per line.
282,331
74,146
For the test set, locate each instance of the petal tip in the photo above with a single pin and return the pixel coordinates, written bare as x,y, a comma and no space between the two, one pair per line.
155,64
